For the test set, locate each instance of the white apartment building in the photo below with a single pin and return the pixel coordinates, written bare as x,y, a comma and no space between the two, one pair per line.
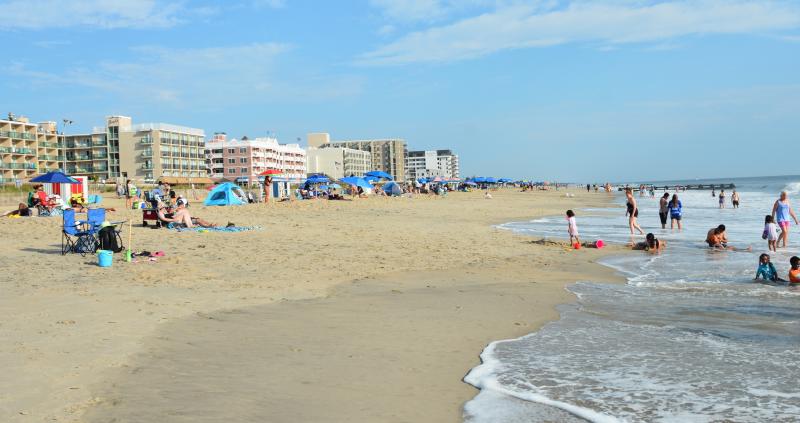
338,162
432,163
247,158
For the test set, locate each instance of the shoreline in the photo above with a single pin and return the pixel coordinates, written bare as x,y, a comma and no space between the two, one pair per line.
101,328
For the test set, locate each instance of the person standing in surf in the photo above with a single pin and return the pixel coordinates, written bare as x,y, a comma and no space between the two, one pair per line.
675,209
735,199
632,211
781,212
663,209
722,198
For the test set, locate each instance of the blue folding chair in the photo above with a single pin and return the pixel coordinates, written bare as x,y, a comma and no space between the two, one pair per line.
74,238
94,199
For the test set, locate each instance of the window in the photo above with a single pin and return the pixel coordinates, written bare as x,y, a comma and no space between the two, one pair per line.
231,161
244,170
231,170
243,150
243,160
231,151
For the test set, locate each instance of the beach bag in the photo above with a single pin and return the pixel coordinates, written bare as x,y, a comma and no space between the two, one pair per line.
108,239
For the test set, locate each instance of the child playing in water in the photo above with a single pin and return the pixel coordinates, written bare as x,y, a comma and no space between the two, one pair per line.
766,269
794,272
572,228
770,233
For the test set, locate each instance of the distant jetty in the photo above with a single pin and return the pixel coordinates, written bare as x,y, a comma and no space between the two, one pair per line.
684,187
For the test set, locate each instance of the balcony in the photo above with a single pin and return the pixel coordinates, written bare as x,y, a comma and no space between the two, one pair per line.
100,156
147,153
17,135
146,141
79,157
45,144
147,166
99,143
51,158
4,165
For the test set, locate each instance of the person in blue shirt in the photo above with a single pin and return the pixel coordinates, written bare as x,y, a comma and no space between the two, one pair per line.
675,209
766,269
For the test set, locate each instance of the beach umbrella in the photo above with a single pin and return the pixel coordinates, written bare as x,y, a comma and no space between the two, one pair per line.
372,179
470,183
438,179
55,177
379,174
357,182
479,179
270,172
317,179
491,180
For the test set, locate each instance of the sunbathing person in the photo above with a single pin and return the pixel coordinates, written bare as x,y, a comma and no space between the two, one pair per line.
23,211
183,218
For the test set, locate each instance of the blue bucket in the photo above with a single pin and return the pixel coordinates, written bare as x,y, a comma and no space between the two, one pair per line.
105,258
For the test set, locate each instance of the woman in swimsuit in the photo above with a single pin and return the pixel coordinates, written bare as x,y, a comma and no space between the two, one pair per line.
722,198
781,212
632,212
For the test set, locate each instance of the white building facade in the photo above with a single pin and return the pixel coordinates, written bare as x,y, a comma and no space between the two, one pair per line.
432,163
337,162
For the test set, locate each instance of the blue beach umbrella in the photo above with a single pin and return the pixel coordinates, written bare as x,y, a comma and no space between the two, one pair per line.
372,179
55,177
379,174
491,180
470,183
317,179
357,182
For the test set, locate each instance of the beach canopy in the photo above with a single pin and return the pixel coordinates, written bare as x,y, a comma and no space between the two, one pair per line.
491,180
479,179
55,177
330,186
317,179
379,174
393,188
270,172
357,182
225,194
470,183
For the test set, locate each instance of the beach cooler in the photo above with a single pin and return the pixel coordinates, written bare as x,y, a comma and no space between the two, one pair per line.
150,216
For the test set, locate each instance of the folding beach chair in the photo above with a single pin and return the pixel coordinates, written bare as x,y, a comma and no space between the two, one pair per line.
74,238
94,200
94,222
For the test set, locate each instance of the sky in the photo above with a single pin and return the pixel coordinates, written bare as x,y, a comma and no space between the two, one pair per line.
584,91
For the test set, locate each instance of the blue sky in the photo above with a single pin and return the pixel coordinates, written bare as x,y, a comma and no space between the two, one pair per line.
569,90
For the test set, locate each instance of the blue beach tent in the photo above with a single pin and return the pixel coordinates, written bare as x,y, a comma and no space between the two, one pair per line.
225,194
393,189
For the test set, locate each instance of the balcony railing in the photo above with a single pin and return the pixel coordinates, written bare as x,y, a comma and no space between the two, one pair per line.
18,135
99,156
146,141
79,157
4,165
15,150
99,143
51,158
49,144
147,153
147,166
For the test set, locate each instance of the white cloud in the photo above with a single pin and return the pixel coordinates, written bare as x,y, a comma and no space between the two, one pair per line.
425,10
195,75
610,22
272,4
209,78
42,14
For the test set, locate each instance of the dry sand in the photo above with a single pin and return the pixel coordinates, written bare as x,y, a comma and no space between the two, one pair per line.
371,310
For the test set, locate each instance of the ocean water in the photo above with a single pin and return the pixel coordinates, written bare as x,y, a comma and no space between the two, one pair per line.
689,338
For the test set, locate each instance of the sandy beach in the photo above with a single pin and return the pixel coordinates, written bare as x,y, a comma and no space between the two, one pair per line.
371,310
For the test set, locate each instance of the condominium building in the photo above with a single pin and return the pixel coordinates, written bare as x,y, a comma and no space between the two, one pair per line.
432,163
338,162
152,151
245,159
90,155
18,149
388,155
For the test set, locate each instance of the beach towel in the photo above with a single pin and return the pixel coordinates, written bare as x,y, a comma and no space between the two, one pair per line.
218,229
